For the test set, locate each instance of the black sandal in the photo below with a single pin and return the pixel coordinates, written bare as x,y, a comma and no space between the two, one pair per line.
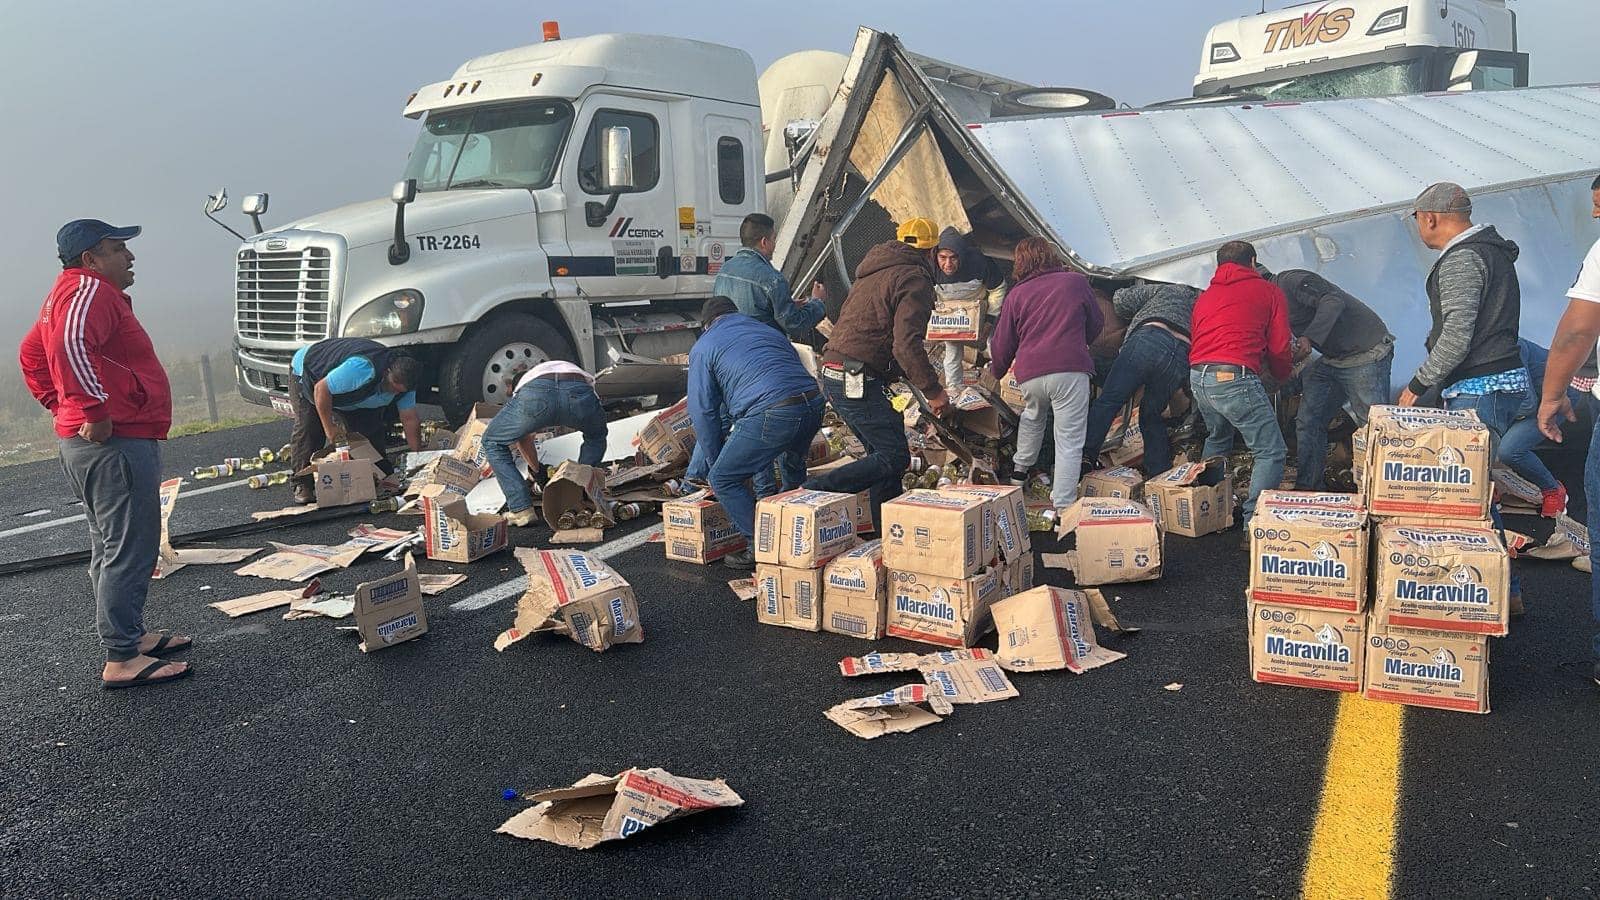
167,645
144,677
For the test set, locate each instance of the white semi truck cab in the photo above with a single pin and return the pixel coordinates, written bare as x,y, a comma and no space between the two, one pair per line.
571,199
1353,48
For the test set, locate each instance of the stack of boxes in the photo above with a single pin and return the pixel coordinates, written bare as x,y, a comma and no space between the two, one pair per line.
1440,574
797,533
949,555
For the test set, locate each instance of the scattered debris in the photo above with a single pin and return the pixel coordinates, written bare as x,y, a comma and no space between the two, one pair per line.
1049,628
332,606
1174,686
572,593
389,610
170,560
607,808
243,606
968,675
891,712
434,585
743,588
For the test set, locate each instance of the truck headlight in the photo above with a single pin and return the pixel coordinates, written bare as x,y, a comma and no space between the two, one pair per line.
399,312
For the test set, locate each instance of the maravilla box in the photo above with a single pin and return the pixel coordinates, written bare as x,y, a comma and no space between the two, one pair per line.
804,529
1192,499
789,597
937,532
935,609
854,587
1428,668
1423,463
1313,556
1309,648
1118,482
1115,541
1445,576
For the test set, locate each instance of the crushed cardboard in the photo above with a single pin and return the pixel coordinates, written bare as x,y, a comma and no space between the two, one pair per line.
389,610
962,675
1049,628
254,603
892,712
1192,499
169,560
434,585
577,595
609,808
1116,541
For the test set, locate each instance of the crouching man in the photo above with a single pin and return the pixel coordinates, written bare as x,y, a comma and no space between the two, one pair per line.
347,384
551,393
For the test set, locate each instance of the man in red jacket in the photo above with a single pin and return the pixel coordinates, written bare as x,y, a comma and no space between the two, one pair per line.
1240,325
89,362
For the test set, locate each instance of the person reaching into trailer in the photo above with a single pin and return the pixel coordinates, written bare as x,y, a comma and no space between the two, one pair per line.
957,261
1050,317
878,335
748,369
759,290
341,385
1352,372
1475,301
555,392
1240,325
1154,357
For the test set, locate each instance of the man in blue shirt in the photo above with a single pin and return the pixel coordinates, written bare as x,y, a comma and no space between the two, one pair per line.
749,369
347,384
759,290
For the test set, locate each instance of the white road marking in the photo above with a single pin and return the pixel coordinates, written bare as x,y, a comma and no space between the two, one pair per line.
40,526
490,596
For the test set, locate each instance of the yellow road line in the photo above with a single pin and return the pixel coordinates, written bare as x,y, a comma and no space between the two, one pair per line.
1352,845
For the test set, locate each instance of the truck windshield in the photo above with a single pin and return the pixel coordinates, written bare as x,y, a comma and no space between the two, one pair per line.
490,147
1375,80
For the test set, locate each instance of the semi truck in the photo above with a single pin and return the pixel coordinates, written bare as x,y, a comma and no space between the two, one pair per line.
575,198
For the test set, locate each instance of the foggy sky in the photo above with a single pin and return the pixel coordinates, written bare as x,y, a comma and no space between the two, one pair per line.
134,112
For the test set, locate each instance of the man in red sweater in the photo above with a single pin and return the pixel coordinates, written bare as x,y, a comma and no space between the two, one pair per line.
89,362
1240,325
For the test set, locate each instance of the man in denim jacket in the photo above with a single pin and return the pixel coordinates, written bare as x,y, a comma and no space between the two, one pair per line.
759,290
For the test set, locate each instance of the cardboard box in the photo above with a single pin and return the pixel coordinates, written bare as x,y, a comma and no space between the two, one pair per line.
1424,463
575,487
600,808
804,529
958,312
350,477
1516,493
1049,628
1309,648
452,534
855,587
966,676
389,610
1010,392
572,593
669,437
1428,668
469,437
698,513
1117,541
936,609
1299,499
789,597
447,474
863,513
1125,445
1118,482
1017,575
891,712
1006,519
938,533
703,547
1192,499
1312,556
1445,576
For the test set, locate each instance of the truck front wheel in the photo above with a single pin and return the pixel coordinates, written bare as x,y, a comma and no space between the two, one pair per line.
484,367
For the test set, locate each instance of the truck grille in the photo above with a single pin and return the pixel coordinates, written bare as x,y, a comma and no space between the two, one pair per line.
284,296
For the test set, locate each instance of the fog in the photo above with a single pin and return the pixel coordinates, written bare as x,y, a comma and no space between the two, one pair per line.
133,113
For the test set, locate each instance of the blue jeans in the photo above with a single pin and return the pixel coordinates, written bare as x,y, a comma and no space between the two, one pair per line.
1521,439
778,433
1241,406
881,430
1497,411
1156,361
1326,389
764,481
541,403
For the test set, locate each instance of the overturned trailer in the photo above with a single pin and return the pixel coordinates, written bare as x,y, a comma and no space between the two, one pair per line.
1150,194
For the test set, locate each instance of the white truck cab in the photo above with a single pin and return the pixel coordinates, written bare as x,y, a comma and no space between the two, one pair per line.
1354,48
571,199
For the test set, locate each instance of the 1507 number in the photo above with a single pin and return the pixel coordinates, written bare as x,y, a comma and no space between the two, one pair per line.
448,242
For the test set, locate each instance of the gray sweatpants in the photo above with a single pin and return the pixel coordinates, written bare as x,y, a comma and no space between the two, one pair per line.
119,483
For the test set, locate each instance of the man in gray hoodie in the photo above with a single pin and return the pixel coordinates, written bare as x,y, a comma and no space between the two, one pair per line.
1476,304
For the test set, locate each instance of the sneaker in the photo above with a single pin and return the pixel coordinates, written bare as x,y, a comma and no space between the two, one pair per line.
305,494
1554,502
743,560
522,518
1019,479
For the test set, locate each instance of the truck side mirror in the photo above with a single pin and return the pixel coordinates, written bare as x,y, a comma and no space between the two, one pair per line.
216,203
616,173
616,159
404,192
254,206
1461,70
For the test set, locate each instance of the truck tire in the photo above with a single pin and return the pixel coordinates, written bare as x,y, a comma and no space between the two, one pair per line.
484,366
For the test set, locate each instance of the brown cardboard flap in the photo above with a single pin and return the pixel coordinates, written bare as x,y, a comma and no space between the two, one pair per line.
1103,616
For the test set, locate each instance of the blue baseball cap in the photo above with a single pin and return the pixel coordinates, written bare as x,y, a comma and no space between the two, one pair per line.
82,234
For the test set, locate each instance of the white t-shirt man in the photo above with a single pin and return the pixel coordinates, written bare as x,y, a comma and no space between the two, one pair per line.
1587,286
562,367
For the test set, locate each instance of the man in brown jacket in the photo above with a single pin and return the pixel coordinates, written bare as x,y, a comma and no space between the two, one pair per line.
878,337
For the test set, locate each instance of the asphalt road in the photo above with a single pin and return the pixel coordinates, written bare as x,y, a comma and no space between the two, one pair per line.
291,764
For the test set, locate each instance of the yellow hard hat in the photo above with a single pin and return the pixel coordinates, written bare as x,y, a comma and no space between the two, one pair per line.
920,233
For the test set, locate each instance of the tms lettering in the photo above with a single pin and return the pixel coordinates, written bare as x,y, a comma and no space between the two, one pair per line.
1315,28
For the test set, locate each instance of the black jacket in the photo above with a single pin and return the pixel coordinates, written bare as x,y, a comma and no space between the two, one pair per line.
1336,323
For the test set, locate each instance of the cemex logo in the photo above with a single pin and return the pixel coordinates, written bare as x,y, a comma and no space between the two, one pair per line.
623,227
1316,27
